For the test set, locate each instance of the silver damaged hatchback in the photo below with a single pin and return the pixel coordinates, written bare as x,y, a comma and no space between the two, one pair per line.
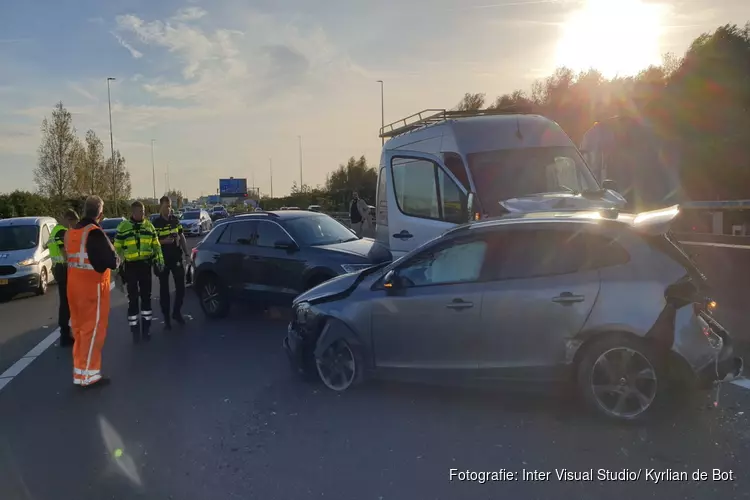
605,299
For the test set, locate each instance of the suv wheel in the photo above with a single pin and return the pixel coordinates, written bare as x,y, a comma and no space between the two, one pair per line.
214,297
43,282
619,377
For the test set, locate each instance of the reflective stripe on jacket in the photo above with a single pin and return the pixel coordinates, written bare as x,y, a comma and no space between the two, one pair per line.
56,244
137,241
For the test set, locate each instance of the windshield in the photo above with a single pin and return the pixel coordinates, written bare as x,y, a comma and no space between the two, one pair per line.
110,223
218,209
191,215
512,173
18,238
318,230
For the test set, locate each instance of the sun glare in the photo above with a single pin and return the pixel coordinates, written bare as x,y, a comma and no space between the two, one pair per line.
616,37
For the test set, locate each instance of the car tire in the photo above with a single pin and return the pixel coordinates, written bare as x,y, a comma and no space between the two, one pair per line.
213,297
340,366
620,377
41,288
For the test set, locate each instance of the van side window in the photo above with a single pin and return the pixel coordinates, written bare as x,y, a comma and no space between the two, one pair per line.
45,235
424,190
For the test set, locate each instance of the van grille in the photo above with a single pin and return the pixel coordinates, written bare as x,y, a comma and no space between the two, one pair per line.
7,270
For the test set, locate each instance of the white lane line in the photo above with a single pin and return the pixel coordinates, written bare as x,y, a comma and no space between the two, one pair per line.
722,245
30,356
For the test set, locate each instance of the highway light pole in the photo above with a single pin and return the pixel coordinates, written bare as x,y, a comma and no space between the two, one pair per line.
300,162
153,168
382,110
270,167
112,146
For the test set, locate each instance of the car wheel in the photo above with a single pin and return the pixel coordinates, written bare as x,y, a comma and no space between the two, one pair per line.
43,282
618,377
338,366
213,297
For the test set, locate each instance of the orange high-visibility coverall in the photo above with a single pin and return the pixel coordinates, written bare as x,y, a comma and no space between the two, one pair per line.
88,296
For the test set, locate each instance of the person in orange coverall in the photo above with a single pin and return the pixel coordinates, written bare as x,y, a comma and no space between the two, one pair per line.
90,257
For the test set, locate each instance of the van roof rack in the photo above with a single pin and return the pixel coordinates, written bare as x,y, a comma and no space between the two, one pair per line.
432,116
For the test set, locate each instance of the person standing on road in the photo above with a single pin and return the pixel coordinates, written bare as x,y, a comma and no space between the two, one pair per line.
90,257
138,246
174,248
60,272
359,214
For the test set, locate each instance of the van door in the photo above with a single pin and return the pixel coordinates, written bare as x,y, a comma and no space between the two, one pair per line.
424,200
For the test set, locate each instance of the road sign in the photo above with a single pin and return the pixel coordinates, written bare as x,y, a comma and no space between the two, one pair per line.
233,187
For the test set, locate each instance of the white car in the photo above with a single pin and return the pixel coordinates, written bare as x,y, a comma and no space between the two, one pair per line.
25,263
196,223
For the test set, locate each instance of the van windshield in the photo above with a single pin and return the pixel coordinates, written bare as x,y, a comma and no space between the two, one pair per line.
511,173
18,238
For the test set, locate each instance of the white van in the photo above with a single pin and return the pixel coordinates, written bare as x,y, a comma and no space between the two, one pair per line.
25,263
442,168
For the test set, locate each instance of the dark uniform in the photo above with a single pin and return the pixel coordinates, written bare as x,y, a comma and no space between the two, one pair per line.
60,272
173,263
137,243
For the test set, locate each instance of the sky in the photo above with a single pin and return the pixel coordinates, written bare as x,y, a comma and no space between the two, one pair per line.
225,87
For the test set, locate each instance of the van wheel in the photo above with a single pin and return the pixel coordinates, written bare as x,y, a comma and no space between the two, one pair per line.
43,282
213,297
619,378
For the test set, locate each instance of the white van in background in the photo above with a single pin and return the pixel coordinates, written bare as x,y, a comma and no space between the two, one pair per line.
442,168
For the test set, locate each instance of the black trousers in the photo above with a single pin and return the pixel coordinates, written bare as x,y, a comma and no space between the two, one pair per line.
177,269
138,280
60,272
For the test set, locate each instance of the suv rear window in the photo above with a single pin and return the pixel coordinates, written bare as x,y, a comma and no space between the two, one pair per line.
666,244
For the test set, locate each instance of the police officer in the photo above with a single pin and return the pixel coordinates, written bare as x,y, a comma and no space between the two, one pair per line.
174,247
60,272
138,246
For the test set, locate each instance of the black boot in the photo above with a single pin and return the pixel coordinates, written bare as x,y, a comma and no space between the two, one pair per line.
167,321
136,331
146,329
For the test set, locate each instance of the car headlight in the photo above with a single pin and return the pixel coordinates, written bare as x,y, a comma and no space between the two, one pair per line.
353,268
302,313
28,262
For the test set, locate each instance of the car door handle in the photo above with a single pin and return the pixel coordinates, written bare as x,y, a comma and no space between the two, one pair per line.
459,304
403,235
568,298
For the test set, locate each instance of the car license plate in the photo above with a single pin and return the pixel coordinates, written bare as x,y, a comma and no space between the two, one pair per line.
3,282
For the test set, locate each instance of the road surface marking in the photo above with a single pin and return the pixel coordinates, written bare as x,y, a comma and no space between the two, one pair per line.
722,245
30,356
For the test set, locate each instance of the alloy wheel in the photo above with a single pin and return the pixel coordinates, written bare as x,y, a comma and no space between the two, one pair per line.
43,281
623,382
337,366
210,297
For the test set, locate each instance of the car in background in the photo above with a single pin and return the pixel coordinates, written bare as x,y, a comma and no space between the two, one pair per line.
315,208
25,262
196,223
109,226
153,217
219,212
607,301
271,257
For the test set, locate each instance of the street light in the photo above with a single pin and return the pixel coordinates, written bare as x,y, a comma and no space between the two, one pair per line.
112,146
153,168
382,111
270,166
300,163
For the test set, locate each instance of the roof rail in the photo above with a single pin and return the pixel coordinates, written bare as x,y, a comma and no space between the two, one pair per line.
257,214
432,116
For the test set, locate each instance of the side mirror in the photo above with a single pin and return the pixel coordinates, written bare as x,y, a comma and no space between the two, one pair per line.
391,281
286,245
609,184
470,207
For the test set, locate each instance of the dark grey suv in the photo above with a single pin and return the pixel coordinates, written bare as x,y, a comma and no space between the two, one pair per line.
271,257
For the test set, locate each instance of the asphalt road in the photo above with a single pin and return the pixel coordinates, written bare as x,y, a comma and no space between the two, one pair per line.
211,411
